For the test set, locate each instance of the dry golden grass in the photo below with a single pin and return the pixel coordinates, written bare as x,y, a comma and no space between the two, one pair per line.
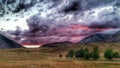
65,64
48,57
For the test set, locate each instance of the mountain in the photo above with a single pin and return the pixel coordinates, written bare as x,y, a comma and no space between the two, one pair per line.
57,44
101,38
7,43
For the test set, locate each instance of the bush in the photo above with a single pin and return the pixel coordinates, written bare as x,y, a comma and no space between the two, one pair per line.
27,51
95,53
60,55
66,56
108,53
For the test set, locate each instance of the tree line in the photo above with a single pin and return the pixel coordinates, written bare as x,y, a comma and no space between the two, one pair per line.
94,54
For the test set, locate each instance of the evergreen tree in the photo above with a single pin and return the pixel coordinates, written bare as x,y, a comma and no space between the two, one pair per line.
79,53
116,55
108,53
86,49
95,53
71,53
86,54
90,54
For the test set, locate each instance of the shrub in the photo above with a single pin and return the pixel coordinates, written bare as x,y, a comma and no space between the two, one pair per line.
60,55
66,56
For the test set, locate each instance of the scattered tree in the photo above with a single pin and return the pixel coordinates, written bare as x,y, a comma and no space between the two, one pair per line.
108,53
90,54
71,53
115,54
79,53
95,53
86,49
86,54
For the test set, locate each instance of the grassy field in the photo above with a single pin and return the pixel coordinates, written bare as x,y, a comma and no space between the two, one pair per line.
48,57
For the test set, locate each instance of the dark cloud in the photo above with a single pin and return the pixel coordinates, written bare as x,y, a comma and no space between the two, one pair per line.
38,26
10,1
74,6
54,20
83,5
17,5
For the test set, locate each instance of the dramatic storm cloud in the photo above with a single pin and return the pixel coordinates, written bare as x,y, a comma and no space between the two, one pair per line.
47,21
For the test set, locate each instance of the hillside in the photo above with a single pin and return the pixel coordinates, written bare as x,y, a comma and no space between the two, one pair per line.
57,44
96,38
7,43
65,48
101,38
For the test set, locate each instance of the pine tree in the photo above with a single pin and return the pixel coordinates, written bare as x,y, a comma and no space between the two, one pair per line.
95,53
86,54
116,55
108,53
79,53
71,53
90,54
86,49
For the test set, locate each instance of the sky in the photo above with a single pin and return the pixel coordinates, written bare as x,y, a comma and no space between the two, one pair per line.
47,21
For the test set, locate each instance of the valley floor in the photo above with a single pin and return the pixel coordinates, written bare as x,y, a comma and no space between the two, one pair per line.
60,64
49,57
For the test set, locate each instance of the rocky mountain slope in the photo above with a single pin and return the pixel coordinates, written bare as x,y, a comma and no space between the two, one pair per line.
101,38
7,43
57,44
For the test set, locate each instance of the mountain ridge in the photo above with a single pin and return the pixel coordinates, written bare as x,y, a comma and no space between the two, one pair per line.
96,38
7,43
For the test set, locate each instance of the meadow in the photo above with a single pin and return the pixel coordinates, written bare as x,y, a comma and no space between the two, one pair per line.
44,57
